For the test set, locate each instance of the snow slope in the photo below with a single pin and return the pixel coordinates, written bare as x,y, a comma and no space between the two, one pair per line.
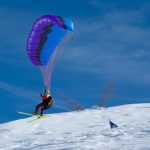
85,130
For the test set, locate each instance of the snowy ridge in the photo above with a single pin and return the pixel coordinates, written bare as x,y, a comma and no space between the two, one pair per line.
84,130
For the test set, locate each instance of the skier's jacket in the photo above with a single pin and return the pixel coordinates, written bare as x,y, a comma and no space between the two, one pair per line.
47,101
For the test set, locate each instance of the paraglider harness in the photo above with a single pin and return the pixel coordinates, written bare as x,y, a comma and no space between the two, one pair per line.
47,102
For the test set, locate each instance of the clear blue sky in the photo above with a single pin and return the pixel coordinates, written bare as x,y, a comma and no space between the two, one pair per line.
111,39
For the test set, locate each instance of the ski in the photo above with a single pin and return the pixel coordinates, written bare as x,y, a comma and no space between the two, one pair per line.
24,113
37,118
29,114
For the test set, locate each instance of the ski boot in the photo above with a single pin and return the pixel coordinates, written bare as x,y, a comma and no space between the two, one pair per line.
34,113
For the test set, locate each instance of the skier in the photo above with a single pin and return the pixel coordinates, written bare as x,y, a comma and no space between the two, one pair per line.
47,102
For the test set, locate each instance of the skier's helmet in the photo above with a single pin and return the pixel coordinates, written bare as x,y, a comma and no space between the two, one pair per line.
47,92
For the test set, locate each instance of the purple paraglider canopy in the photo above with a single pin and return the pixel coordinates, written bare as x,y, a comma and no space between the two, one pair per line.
47,34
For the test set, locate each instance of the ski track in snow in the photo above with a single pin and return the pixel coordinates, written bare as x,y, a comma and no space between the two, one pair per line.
84,130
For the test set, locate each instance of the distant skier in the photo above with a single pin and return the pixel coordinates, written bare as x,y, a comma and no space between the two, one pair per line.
47,102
